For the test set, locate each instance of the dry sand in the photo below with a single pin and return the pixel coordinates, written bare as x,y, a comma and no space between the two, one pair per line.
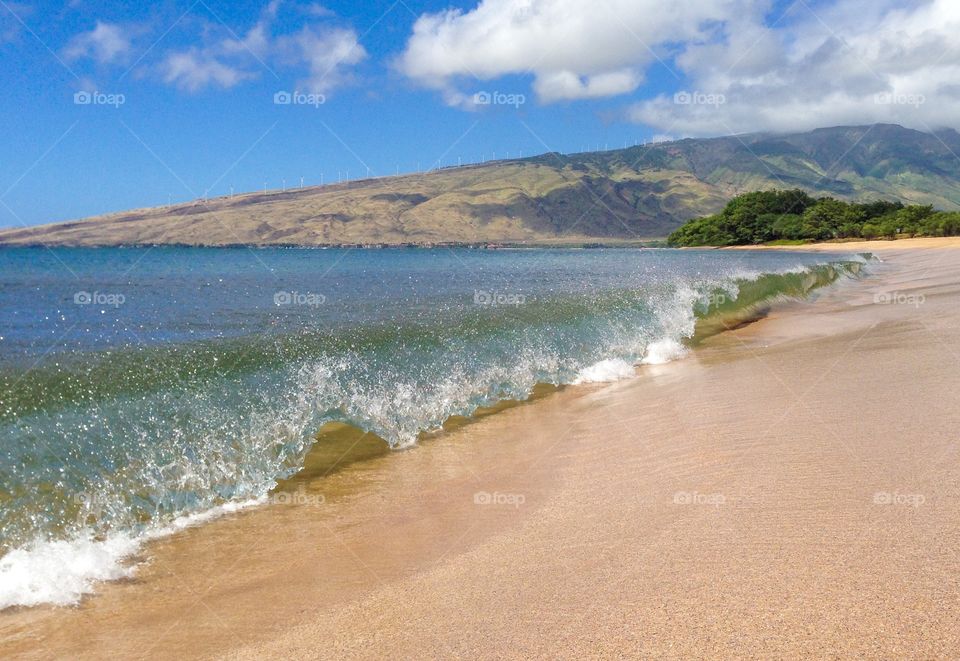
790,489
878,246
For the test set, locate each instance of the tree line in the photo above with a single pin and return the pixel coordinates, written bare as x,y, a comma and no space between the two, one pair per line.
793,215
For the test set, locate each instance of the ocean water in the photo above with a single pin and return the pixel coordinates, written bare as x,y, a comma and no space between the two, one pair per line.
145,389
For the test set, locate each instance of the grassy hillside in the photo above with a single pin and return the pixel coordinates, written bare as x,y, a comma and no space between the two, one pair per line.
635,193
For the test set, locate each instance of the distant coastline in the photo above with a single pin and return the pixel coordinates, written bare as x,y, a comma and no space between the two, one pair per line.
637,194
544,244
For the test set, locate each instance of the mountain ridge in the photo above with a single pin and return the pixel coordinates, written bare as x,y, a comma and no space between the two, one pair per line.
640,192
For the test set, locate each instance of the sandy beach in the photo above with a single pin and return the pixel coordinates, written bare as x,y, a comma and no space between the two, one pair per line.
791,488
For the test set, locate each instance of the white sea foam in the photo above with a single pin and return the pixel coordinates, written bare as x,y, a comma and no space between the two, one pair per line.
663,351
196,518
605,371
61,572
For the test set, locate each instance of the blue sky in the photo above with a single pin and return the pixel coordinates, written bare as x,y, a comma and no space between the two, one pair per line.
181,95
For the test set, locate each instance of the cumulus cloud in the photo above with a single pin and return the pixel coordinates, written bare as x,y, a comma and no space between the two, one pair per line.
326,52
738,65
317,9
224,62
847,63
194,70
573,49
569,85
105,43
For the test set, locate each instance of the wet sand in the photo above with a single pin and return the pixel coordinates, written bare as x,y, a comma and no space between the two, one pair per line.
790,489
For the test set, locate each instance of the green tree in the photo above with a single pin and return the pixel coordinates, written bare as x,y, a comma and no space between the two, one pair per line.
763,216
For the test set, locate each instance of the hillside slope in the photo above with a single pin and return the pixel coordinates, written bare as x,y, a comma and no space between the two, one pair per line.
640,192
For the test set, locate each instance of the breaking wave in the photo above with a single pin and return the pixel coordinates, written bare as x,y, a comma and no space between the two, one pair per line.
132,444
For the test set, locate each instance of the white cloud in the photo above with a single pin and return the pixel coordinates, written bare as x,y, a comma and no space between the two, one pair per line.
569,85
318,10
105,43
325,52
194,70
574,49
223,63
850,63
256,41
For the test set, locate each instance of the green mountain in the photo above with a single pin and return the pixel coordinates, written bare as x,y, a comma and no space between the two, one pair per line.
641,192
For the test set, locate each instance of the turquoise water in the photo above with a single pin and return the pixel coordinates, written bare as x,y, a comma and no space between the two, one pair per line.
140,386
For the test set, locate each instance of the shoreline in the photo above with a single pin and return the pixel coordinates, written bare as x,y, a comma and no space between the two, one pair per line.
581,491
881,245
584,243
